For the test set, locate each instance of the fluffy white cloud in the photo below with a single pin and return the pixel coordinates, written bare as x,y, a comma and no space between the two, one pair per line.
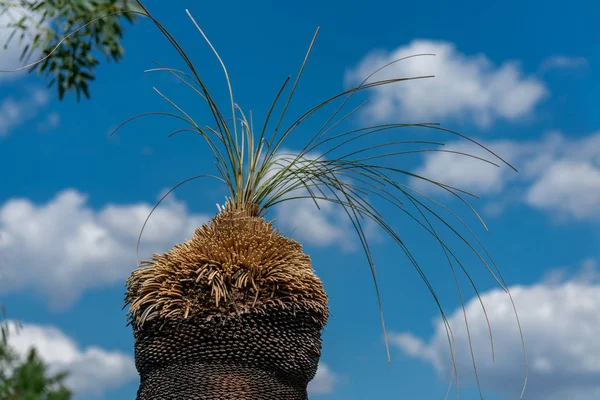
557,174
64,246
325,227
564,62
567,180
560,322
15,112
468,173
324,381
572,187
467,87
9,57
92,370
301,218
49,122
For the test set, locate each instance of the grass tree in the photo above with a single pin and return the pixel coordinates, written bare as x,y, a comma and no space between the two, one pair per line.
237,311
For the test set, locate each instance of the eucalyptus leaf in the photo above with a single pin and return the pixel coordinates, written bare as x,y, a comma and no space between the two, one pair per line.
41,26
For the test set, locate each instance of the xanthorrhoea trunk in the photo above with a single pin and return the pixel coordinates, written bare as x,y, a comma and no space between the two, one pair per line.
234,313
270,356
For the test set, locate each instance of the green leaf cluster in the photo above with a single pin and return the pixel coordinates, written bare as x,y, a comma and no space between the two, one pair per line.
42,24
29,378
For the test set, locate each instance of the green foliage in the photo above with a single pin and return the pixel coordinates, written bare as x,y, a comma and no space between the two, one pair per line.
44,23
27,379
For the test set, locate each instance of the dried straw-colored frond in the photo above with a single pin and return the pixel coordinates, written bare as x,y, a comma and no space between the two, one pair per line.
234,264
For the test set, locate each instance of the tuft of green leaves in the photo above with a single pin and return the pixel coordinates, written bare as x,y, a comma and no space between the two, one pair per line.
41,24
27,379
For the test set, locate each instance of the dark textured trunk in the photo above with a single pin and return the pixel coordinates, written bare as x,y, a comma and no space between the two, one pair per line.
253,356
236,312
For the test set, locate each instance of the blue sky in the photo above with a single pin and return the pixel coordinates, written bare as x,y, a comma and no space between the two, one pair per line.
519,77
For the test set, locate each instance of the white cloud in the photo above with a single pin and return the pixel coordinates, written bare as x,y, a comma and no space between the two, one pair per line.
9,57
325,227
564,62
568,186
324,381
49,122
64,246
560,322
466,87
557,174
301,218
531,158
92,370
465,172
15,112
